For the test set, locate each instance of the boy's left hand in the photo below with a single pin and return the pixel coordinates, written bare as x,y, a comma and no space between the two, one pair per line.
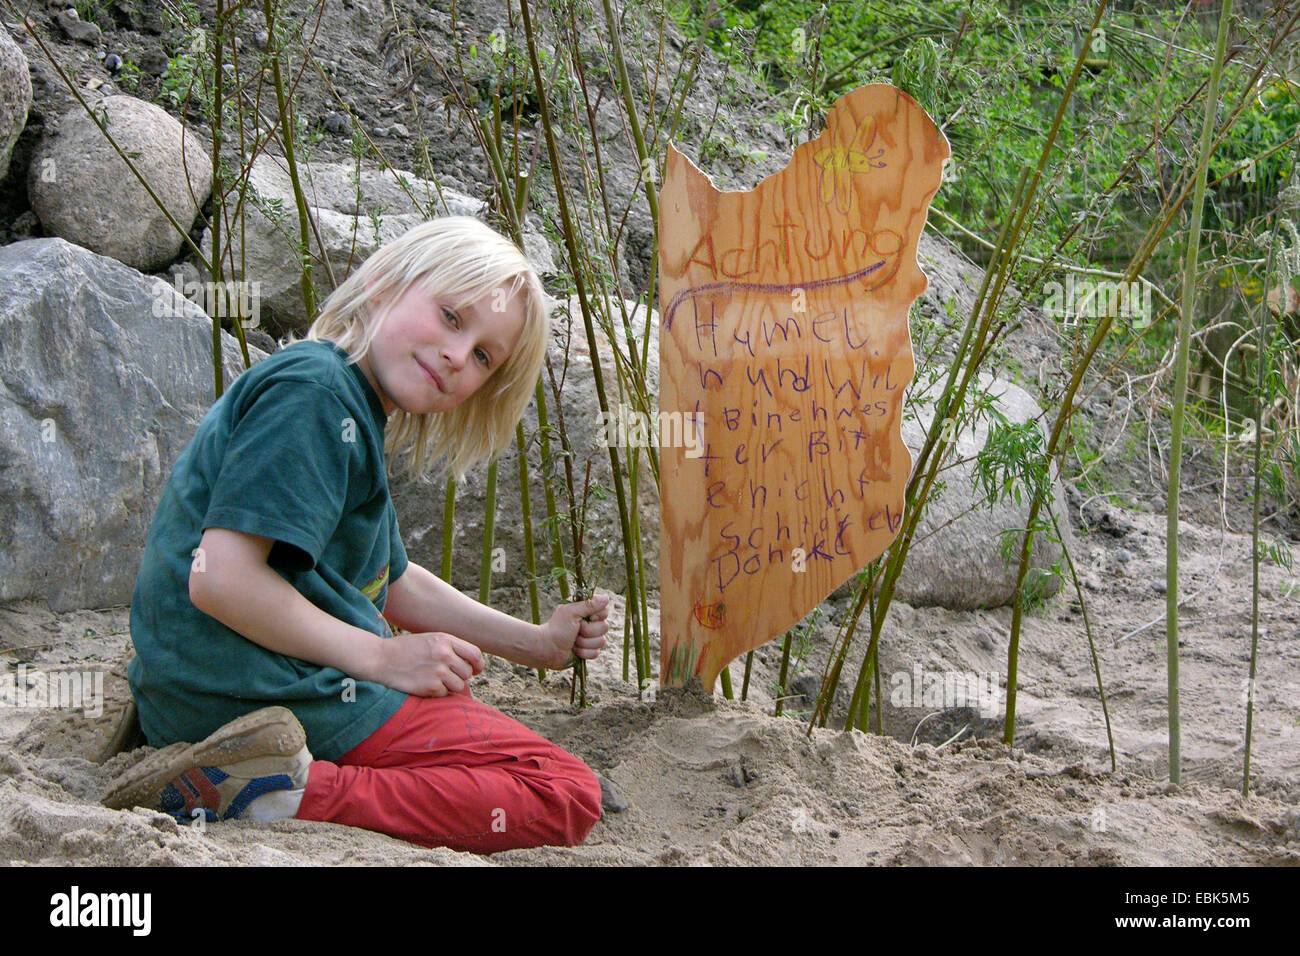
567,635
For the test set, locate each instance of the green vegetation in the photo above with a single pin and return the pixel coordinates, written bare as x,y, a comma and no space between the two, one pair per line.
992,75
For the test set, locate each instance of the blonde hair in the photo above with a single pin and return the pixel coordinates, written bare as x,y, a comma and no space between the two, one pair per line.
459,259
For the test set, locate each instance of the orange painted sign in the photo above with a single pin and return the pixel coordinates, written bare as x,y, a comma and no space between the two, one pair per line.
783,338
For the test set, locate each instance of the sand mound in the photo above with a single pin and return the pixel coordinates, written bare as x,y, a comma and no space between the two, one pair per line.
710,781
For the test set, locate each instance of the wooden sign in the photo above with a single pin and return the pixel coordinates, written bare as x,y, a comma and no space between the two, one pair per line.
783,338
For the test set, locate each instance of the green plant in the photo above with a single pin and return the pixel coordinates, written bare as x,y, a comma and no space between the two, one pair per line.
128,76
722,147
177,82
92,11
796,646
992,66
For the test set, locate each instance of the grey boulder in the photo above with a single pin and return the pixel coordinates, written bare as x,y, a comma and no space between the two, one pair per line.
956,556
15,97
83,191
106,375
353,216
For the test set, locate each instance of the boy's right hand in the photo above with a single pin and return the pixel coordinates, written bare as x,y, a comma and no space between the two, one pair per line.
428,664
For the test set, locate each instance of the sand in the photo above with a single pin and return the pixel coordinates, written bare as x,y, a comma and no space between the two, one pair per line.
716,782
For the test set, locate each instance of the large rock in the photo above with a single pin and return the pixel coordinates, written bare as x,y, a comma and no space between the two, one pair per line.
83,192
1031,341
76,28
420,507
15,97
98,397
956,556
355,215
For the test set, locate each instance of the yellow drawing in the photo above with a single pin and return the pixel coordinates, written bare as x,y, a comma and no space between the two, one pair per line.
372,589
838,163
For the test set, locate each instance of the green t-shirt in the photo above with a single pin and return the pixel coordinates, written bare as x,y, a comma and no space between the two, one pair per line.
294,450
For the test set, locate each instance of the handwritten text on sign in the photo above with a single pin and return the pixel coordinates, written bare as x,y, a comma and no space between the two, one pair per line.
784,330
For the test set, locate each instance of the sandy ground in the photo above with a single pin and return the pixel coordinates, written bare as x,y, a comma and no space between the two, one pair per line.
712,781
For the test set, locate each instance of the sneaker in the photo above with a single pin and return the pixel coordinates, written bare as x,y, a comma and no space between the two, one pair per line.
254,755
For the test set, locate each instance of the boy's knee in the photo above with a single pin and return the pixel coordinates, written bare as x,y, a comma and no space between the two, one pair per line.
585,801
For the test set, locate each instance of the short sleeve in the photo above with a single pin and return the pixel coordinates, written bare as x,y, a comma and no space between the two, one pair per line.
397,562
286,468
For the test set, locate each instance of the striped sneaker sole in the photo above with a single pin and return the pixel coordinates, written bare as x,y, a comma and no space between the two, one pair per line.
266,748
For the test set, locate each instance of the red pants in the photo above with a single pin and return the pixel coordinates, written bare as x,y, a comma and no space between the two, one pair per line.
451,771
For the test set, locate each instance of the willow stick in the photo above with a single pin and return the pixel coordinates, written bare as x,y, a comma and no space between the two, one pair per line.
526,515
1180,401
785,671
1087,629
1262,327
570,241
448,517
928,464
489,532
285,108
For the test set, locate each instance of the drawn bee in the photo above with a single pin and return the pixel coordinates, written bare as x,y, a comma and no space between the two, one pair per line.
838,163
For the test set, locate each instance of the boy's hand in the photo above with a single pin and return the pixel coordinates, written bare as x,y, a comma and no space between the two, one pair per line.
567,635
428,664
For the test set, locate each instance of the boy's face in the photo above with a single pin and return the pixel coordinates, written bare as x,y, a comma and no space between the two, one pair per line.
428,357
